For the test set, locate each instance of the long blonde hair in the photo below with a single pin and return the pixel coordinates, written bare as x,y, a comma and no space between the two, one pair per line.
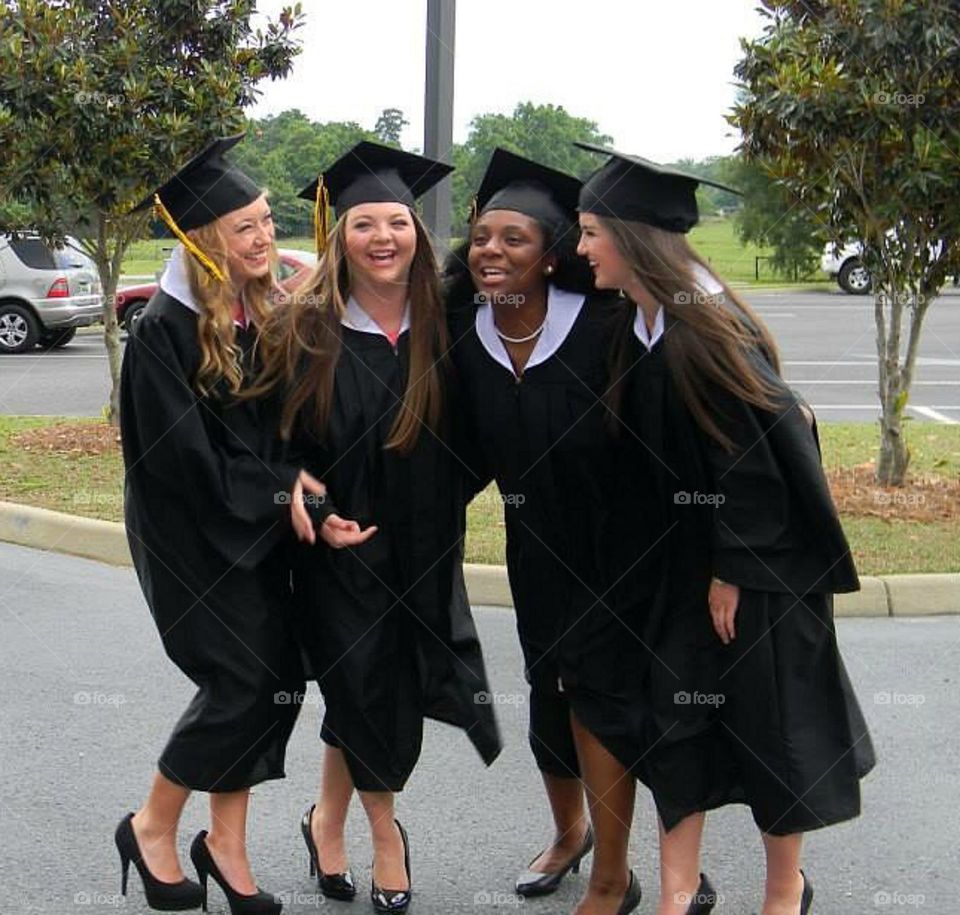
220,357
711,335
301,342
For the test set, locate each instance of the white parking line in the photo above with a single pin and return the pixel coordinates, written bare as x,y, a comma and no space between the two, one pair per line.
930,413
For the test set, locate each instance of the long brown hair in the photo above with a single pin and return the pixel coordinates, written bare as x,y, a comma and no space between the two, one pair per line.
711,335
219,354
301,343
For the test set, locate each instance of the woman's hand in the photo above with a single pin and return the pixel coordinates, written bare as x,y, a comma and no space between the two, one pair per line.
724,599
299,516
338,532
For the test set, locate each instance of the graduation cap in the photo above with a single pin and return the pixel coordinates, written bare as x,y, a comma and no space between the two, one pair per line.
638,190
371,173
512,182
205,189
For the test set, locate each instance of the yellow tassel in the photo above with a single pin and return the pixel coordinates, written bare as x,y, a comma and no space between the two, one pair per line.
164,214
474,210
320,216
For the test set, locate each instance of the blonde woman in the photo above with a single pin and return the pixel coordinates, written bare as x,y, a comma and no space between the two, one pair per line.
381,600
206,506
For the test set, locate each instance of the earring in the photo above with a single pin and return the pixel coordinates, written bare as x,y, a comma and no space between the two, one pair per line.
548,270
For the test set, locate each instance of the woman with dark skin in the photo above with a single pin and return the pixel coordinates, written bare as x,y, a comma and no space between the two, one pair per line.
530,350
752,549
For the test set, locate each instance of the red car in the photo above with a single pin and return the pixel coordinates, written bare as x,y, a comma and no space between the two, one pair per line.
131,300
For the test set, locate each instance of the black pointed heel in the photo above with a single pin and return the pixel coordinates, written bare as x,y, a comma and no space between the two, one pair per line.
163,897
806,900
632,897
333,886
704,899
533,883
258,903
393,901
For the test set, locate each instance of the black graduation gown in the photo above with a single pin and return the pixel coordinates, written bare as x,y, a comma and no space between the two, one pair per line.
545,439
206,528
771,719
386,626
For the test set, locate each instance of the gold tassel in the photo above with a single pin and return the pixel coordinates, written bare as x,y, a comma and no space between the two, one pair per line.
163,213
320,216
474,210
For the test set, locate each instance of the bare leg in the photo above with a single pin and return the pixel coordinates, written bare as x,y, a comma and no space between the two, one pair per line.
330,816
680,864
389,872
227,839
155,826
610,794
784,881
570,822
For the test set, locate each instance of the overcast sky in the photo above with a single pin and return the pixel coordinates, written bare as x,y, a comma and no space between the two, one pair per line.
656,76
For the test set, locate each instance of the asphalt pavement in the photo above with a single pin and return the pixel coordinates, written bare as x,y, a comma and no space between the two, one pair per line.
826,339
89,697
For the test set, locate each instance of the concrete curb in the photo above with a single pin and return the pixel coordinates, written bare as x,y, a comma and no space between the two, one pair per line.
106,541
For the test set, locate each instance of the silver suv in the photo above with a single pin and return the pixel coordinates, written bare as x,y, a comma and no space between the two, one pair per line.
45,293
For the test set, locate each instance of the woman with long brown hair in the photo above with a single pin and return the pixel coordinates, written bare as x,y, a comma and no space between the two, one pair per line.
207,504
360,354
749,700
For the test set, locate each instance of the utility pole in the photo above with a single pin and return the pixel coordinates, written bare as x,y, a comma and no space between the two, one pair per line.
438,113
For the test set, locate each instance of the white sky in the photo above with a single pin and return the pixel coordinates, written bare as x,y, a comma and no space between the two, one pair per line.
657,75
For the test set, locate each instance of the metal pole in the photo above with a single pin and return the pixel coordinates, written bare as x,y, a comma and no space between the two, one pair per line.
438,114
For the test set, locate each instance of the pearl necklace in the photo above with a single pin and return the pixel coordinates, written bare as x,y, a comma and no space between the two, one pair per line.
526,339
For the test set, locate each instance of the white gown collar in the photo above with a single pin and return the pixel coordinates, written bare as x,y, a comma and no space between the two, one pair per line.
357,319
563,308
175,283
707,283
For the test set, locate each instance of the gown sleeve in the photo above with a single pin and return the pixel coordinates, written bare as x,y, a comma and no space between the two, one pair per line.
239,492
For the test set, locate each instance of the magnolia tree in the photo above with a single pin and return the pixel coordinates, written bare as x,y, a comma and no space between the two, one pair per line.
100,102
855,106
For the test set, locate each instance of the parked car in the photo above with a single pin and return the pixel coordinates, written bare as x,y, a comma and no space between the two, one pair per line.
844,265
131,300
46,293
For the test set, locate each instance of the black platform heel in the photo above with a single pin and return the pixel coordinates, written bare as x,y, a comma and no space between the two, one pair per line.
258,903
333,886
533,883
632,897
391,901
164,897
705,898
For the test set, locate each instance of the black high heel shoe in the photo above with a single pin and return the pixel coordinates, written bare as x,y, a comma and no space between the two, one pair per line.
533,883
390,901
705,898
333,886
632,897
164,897
806,900
258,903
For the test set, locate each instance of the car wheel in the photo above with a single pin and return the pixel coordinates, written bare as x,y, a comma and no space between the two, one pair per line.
132,315
854,278
57,338
18,329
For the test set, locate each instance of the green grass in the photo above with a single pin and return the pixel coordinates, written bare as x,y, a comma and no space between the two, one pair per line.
91,485
714,238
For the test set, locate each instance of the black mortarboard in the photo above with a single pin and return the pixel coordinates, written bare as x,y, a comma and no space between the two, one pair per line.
638,190
512,182
206,188
371,173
